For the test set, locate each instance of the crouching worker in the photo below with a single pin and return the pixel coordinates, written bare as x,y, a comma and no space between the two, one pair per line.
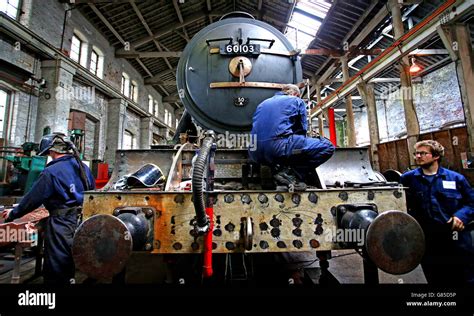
60,188
280,125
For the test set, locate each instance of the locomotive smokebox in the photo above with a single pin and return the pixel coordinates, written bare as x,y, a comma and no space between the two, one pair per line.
231,66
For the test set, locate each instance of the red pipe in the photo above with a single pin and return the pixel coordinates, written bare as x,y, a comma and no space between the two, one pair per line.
395,45
332,127
207,267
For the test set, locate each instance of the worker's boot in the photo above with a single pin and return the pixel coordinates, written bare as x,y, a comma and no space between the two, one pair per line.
288,178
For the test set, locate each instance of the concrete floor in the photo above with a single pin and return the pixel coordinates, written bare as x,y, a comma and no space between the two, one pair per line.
345,265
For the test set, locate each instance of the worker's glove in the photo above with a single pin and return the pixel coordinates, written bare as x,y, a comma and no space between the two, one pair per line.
6,214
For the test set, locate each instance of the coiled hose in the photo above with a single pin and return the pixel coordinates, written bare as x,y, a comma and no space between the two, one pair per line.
199,169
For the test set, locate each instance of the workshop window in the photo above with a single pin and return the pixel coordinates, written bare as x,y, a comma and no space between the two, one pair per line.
4,99
151,104
96,65
125,85
127,140
134,91
157,109
76,48
10,8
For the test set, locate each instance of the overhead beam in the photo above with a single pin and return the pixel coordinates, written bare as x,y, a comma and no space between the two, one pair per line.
369,28
106,22
97,1
135,54
419,34
178,12
165,82
426,52
170,28
171,98
444,33
147,28
157,77
340,52
184,35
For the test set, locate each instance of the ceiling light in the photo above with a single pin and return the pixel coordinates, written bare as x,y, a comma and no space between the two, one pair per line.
414,68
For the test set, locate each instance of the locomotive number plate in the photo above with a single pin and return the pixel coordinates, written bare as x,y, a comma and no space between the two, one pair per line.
240,49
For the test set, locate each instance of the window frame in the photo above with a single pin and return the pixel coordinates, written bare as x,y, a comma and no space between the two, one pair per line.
18,9
96,68
79,55
129,134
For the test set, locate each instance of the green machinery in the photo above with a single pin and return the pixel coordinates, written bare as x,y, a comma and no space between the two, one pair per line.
27,167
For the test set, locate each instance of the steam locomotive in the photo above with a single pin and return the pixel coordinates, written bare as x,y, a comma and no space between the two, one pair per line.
225,71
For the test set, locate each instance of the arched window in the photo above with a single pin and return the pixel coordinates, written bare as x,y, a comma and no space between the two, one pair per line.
128,140
96,65
10,7
79,48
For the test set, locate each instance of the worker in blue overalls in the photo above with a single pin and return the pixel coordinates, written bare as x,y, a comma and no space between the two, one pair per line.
280,127
442,201
60,188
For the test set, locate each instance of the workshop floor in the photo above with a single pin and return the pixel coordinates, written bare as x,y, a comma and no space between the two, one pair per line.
345,265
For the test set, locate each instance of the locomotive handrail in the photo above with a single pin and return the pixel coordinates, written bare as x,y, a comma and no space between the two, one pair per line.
272,41
230,39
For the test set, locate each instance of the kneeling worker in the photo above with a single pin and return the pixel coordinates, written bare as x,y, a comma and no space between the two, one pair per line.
280,125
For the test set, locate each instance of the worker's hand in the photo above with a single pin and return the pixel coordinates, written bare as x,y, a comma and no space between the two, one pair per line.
5,214
457,224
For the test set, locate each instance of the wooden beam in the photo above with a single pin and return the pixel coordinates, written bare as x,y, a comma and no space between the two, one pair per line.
178,12
97,1
135,54
366,91
465,70
411,117
157,77
208,4
171,98
106,22
140,16
444,32
168,29
350,128
184,36
340,52
426,52
147,28
384,80
165,82
416,37
369,28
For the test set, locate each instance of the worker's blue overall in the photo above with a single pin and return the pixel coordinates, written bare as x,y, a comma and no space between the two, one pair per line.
280,125
433,200
60,189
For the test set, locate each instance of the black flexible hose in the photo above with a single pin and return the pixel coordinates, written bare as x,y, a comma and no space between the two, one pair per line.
198,175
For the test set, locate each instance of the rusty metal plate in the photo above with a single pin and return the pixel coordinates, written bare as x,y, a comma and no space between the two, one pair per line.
101,246
282,221
395,242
